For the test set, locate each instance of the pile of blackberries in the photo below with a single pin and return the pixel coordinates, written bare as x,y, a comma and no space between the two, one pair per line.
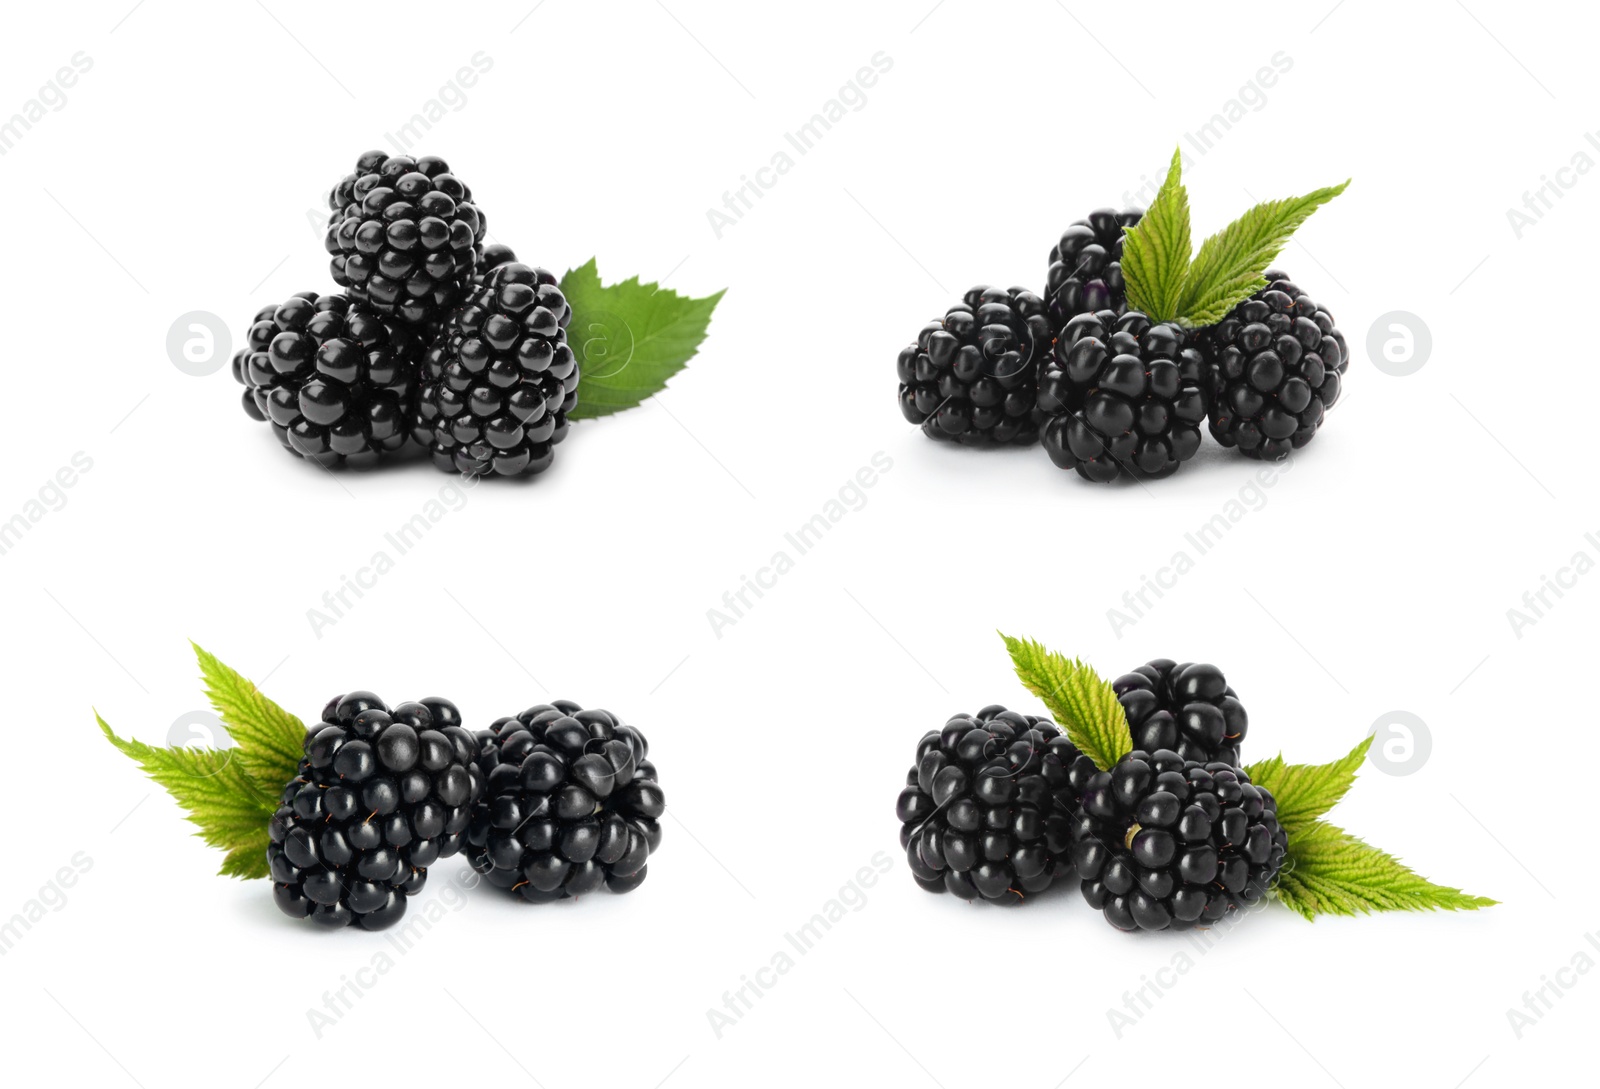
437,342
554,803
1000,805
1107,391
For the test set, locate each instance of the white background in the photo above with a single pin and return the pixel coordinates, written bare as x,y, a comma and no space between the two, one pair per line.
181,174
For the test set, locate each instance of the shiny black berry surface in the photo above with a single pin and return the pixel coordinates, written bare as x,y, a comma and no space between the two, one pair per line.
971,375
335,379
986,810
500,378
1187,707
1276,363
571,804
1167,843
1085,275
404,235
1122,395
381,793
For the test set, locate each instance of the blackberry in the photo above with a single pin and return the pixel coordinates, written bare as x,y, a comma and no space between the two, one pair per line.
334,378
1122,394
1085,274
1162,842
500,378
379,796
986,810
494,255
404,235
570,803
971,375
1276,363
1186,707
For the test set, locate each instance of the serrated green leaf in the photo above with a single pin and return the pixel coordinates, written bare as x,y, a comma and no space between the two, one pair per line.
630,338
1305,792
1229,267
270,739
1082,702
218,794
1330,872
1156,250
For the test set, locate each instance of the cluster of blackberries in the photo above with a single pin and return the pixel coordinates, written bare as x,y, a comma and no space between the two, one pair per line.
437,342
553,803
1106,390
1000,805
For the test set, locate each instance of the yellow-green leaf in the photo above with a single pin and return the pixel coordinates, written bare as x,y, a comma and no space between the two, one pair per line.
1082,701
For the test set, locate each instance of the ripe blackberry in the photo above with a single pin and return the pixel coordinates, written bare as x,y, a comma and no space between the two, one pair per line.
1186,707
1121,394
1163,842
379,796
1085,274
494,255
334,378
1276,364
500,378
985,811
570,803
971,375
404,235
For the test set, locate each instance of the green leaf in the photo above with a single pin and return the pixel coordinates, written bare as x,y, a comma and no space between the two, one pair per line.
630,338
1080,699
270,739
1305,792
1156,250
218,793
1229,267
1331,872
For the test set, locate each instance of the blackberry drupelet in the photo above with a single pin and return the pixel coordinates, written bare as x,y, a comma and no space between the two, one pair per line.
1276,362
494,255
1163,842
570,804
971,375
404,235
1185,707
986,810
1085,274
500,378
379,796
1122,394
335,378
